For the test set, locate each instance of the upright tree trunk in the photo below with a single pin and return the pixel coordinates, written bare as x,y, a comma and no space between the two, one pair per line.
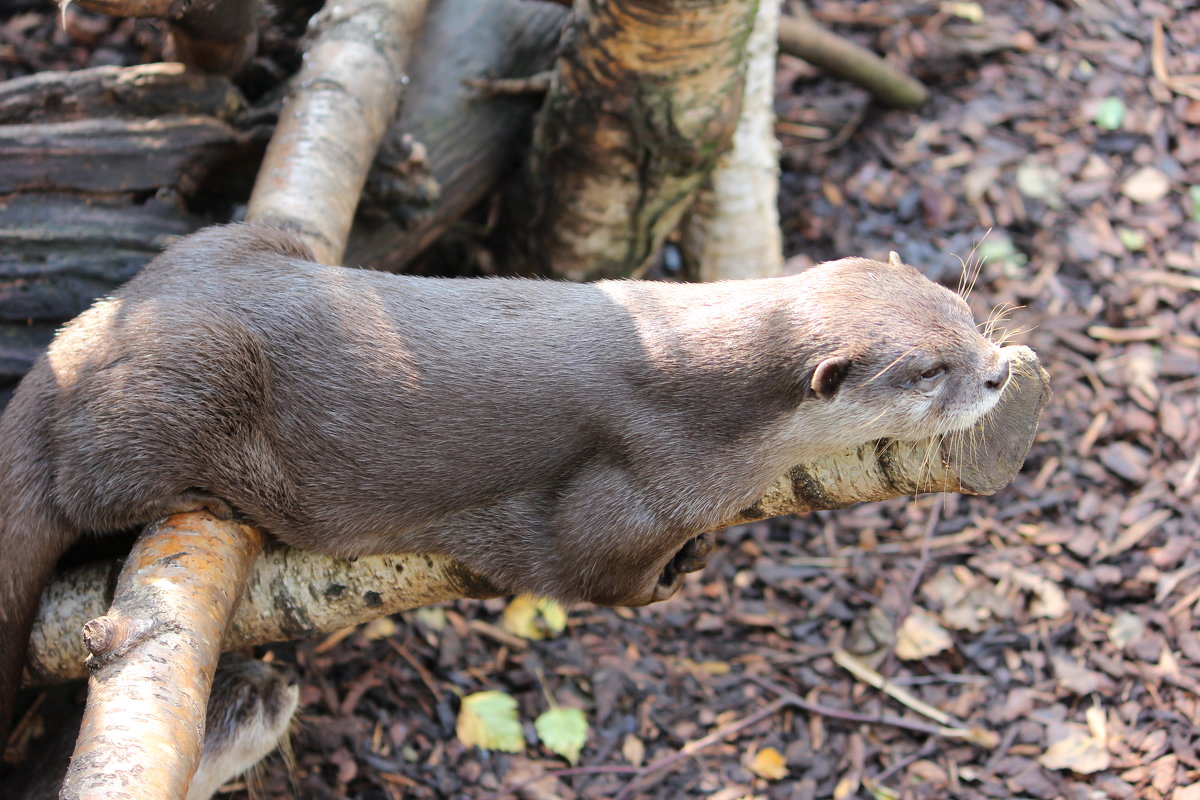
645,98
732,228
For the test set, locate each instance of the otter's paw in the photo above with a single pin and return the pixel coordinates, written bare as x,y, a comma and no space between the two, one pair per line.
692,557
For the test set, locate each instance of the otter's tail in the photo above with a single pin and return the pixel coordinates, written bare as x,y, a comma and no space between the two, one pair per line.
32,534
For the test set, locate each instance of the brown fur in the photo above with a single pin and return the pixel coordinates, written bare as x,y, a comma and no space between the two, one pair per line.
561,439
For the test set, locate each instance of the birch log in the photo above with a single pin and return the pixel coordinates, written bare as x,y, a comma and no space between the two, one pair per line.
156,649
144,722
340,105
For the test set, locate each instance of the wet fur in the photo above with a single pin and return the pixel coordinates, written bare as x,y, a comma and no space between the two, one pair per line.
562,439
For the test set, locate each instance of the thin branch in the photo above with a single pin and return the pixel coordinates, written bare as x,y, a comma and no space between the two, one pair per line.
804,38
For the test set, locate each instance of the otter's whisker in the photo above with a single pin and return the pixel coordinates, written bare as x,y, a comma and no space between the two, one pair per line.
972,257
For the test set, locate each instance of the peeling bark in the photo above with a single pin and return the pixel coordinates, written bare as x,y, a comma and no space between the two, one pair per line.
146,91
645,98
294,594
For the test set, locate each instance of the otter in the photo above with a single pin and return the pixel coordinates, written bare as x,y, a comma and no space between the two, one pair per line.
249,713
566,440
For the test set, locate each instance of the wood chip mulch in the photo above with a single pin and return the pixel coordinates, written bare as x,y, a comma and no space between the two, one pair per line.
1041,643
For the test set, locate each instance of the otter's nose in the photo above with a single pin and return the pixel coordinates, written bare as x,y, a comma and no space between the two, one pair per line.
997,383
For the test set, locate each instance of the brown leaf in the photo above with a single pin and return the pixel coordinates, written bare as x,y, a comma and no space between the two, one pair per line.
1077,751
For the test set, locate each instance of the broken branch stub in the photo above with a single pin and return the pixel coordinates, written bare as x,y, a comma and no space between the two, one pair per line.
294,594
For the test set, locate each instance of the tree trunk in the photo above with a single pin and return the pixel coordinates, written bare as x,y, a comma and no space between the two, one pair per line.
645,98
732,228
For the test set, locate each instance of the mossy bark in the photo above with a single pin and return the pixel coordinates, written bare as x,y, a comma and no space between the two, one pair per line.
645,98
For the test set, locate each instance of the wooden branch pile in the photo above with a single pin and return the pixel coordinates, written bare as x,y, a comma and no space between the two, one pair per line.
644,103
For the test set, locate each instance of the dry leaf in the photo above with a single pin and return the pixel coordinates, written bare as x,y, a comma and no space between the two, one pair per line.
1078,751
769,763
1186,792
846,788
633,749
1077,678
1168,663
921,636
702,669
1147,185
1039,181
1049,600
380,628
533,618
1126,628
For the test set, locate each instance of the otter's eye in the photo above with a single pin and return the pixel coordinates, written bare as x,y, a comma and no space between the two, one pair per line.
933,373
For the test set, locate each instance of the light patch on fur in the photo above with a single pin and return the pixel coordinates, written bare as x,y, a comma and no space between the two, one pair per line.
256,735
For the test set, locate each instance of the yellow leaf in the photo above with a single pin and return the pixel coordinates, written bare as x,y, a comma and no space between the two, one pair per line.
920,637
533,618
431,617
971,12
489,720
706,668
845,788
564,731
380,628
880,792
768,763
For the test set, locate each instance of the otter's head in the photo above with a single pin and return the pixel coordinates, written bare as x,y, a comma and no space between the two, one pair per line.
897,356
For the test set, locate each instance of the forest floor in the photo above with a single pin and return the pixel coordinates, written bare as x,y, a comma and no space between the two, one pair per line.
1052,628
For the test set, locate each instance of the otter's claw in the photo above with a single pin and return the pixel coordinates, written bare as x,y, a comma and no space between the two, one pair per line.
692,557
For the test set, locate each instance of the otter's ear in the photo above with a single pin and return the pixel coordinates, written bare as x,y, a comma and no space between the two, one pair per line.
828,376
894,259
